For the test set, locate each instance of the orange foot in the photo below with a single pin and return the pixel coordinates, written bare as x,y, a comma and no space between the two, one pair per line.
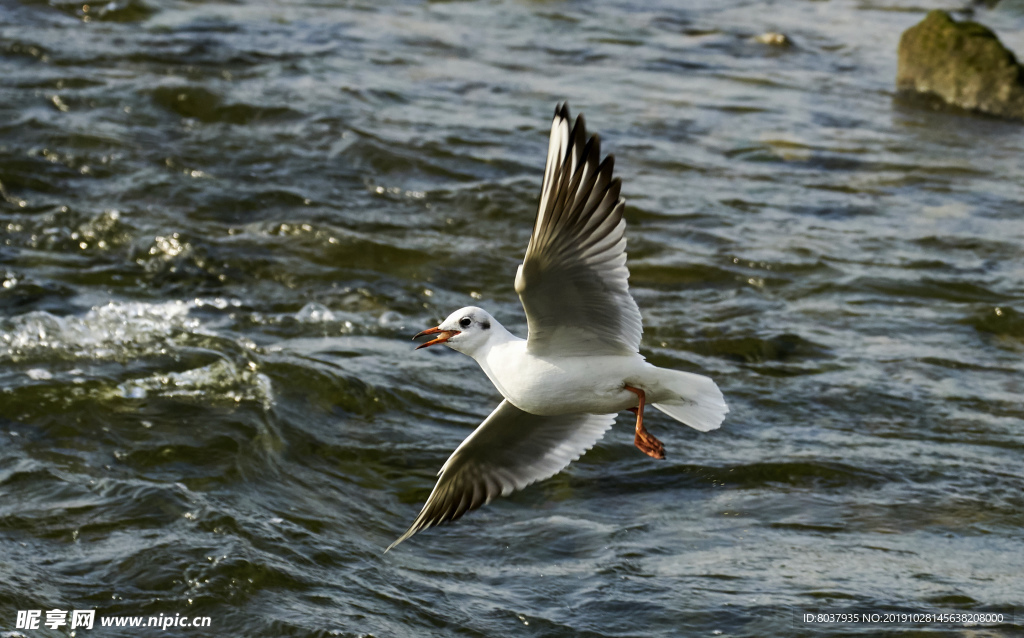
644,440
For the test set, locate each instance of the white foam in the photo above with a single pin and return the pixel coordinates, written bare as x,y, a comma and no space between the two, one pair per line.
314,312
222,380
105,332
126,332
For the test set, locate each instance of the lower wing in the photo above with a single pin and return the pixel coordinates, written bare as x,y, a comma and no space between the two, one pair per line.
507,452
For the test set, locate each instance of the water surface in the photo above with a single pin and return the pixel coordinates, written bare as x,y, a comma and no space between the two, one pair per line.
221,221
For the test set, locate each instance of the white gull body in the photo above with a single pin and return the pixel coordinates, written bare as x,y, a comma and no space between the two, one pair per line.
580,365
553,385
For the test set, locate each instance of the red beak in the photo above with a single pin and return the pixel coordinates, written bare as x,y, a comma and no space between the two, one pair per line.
445,336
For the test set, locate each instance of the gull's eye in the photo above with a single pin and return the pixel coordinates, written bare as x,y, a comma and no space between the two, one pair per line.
465,321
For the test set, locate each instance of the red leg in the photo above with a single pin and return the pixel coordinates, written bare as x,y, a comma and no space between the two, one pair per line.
644,440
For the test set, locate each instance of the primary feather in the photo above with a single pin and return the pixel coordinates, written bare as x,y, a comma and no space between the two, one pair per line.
573,281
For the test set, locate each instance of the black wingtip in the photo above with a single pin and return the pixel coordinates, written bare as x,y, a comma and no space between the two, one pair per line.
578,134
595,143
562,111
615,187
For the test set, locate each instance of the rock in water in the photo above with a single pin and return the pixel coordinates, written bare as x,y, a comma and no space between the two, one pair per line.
964,63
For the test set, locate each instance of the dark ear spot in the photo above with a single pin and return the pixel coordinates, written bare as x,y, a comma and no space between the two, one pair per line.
486,325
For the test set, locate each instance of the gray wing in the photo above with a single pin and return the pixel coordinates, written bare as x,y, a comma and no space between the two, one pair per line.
573,281
507,452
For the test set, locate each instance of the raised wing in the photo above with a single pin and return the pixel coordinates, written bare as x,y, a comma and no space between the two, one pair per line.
507,452
573,281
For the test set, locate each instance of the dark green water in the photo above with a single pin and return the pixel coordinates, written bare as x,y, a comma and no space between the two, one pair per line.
221,222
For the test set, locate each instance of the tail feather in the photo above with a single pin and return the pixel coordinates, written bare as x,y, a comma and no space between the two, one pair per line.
695,400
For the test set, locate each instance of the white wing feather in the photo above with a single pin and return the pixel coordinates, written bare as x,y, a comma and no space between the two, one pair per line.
573,281
507,452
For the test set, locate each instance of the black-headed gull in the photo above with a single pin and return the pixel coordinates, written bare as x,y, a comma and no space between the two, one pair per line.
580,363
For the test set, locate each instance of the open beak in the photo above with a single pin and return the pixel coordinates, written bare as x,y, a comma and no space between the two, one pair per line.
445,335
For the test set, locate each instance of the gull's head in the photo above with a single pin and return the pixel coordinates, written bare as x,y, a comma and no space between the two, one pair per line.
465,330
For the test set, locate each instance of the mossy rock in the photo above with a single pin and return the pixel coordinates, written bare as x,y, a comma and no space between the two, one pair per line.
963,63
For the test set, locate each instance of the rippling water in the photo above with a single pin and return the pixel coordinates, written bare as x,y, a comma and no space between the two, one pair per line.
221,222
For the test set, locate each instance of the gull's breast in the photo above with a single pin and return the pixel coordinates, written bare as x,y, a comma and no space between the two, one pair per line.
562,385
